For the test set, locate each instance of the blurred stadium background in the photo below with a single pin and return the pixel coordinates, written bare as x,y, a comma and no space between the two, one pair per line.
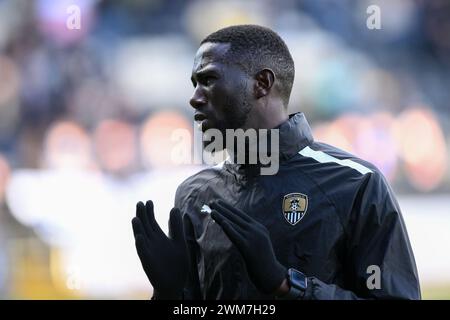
86,118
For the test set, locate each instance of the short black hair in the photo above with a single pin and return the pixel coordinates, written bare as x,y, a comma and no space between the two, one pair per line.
254,48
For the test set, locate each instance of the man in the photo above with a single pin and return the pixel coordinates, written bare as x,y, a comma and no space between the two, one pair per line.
325,226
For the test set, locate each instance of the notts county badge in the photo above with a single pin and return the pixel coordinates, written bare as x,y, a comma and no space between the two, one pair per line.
294,207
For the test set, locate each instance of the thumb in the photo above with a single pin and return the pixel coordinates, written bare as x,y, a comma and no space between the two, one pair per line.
142,250
176,225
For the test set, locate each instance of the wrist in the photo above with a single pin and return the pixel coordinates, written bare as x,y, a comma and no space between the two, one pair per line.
283,289
297,284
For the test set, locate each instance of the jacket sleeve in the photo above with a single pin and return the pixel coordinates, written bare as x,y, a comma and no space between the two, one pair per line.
379,262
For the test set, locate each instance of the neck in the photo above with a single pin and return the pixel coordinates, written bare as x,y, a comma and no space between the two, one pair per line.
267,116
261,117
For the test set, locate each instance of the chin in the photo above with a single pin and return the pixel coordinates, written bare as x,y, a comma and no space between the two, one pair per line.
217,147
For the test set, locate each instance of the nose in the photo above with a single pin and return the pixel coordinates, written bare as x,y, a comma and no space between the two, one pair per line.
198,99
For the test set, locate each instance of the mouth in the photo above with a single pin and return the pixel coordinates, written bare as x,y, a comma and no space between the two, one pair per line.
199,117
201,120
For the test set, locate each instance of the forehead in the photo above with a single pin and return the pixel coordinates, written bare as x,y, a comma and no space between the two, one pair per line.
210,53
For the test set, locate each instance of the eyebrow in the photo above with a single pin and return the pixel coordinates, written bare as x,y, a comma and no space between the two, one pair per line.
204,71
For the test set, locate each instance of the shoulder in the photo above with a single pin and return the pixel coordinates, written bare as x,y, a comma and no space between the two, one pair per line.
325,156
334,168
347,164
342,176
195,183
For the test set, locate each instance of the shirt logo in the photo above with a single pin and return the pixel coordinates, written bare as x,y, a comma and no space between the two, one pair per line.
294,207
205,209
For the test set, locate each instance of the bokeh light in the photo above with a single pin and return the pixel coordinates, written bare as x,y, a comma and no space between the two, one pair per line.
67,146
422,147
84,120
158,140
369,137
52,19
5,172
116,145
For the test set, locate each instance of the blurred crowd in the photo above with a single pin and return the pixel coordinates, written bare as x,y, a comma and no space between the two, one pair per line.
104,99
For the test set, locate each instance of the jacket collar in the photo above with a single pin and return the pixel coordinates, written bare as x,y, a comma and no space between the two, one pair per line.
294,134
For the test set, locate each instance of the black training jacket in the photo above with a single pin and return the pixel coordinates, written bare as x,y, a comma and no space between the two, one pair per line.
330,215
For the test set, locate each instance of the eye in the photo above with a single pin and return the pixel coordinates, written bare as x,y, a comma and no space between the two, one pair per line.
208,80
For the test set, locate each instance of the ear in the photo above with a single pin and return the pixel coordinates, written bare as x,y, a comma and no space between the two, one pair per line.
264,82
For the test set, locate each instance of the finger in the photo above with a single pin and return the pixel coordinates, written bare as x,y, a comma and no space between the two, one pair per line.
138,229
143,251
150,215
176,225
188,229
141,215
229,207
233,231
219,217
146,214
250,222
231,215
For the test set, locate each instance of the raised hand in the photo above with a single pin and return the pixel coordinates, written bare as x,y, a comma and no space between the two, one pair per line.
252,240
164,259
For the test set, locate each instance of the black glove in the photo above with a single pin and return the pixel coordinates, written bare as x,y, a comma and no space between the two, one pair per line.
253,242
165,260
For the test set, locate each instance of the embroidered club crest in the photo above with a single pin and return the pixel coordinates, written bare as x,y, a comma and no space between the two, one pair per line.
294,207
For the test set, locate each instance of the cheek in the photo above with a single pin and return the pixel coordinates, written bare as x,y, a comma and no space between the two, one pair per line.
220,97
229,101
239,99
236,91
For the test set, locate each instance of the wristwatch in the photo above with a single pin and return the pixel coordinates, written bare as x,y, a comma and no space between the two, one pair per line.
298,283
